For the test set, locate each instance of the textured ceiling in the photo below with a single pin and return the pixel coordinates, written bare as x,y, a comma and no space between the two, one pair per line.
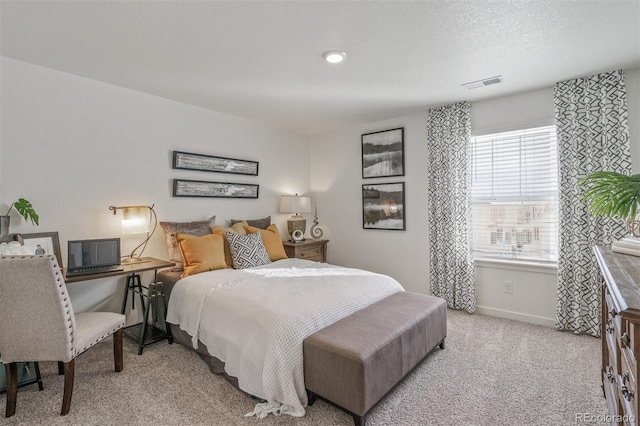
263,60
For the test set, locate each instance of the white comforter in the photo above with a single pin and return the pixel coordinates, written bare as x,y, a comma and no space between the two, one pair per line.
256,319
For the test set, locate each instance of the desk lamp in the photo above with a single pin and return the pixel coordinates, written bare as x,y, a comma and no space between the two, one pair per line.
137,220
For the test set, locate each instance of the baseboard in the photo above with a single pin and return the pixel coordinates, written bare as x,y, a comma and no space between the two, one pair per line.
531,319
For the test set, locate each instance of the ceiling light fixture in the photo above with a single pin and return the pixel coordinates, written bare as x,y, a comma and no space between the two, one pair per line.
334,56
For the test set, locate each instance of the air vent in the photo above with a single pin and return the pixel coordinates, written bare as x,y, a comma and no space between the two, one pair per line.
484,82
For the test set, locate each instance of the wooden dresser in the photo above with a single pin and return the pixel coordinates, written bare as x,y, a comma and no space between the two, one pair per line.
620,334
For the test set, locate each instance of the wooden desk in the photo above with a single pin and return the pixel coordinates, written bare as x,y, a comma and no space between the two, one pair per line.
147,264
143,332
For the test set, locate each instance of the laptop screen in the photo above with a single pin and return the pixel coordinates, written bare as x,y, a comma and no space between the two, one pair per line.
96,252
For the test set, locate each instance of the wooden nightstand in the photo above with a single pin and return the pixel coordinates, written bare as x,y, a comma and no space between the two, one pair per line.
315,250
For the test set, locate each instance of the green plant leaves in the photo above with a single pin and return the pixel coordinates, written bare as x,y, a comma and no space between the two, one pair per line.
612,194
25,209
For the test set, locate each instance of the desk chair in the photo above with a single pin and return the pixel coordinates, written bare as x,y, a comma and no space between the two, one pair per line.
37,323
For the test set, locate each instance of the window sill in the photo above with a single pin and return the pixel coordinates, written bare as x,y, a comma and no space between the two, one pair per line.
517,265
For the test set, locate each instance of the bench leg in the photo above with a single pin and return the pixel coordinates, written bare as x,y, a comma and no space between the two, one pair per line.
360,420
311,398
442,344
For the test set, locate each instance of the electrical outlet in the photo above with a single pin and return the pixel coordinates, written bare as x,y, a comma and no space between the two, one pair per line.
508,287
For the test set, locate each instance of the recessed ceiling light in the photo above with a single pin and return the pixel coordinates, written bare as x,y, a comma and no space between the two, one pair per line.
334,56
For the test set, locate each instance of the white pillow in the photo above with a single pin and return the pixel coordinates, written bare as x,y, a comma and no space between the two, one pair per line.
247,251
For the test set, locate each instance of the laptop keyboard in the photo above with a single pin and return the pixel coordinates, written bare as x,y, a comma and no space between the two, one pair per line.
94,270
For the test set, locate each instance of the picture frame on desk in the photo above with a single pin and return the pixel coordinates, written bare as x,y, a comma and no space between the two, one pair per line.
27,374
42,243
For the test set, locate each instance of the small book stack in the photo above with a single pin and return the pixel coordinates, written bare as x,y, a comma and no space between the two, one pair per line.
627,246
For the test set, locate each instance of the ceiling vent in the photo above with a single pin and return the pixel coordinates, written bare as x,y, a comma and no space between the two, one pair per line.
484,82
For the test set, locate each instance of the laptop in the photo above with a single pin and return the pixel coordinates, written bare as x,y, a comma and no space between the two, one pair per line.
93,256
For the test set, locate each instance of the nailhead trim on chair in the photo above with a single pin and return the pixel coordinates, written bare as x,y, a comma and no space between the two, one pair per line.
100,339
63,295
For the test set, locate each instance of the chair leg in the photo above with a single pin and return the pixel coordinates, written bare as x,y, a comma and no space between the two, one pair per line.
117,350
69,372
11,372
60,368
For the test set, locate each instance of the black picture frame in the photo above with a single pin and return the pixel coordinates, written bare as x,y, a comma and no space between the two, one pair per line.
211,163
28,373
200,188
384,206
48,241
383,153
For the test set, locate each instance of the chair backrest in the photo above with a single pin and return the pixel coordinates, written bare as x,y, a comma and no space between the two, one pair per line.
37,322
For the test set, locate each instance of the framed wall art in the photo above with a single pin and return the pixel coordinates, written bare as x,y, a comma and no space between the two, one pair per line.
42,243
198,188
383,153
210,163
383,206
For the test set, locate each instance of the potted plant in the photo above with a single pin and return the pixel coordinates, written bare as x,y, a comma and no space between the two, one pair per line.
614,194
25,209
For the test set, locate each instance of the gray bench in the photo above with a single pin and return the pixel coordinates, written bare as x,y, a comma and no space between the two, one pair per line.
356,361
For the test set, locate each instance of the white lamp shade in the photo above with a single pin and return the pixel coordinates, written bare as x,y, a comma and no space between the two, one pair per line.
135,220
295,204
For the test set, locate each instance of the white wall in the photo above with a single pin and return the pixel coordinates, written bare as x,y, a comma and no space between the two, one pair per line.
74,146
336,179
336,183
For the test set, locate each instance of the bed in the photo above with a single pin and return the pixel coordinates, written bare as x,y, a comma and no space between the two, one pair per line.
249,324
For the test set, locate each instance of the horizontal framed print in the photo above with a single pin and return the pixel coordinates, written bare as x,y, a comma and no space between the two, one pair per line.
210,163
198,188
383,206
383,153
42,243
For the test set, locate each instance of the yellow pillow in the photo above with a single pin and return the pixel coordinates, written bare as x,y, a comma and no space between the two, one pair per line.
238,228
272,241
201,254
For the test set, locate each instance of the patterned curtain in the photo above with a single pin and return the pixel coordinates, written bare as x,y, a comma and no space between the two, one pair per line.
593,135
451,265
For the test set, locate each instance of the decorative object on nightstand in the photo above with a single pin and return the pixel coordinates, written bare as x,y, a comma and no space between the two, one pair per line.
316,232
295,205
25,209
137,220
315,250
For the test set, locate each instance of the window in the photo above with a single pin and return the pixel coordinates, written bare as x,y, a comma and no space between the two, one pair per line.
514,195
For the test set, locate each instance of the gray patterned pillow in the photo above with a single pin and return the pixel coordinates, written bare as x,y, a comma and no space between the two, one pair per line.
196,228
247,251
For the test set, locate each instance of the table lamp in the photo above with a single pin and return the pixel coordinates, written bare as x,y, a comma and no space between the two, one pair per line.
297,224
137,220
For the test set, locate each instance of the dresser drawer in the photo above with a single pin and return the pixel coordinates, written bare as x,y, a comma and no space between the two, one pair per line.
627,393
310,253
614,319
610,386
625,341
315,250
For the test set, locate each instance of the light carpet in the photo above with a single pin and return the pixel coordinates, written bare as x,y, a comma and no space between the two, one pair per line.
492,372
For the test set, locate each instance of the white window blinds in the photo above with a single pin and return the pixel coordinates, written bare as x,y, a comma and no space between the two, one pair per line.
515,195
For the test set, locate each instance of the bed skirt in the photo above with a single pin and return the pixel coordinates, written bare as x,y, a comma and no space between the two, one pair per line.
169,278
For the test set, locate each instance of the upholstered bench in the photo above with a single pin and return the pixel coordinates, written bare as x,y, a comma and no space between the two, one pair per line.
357,360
